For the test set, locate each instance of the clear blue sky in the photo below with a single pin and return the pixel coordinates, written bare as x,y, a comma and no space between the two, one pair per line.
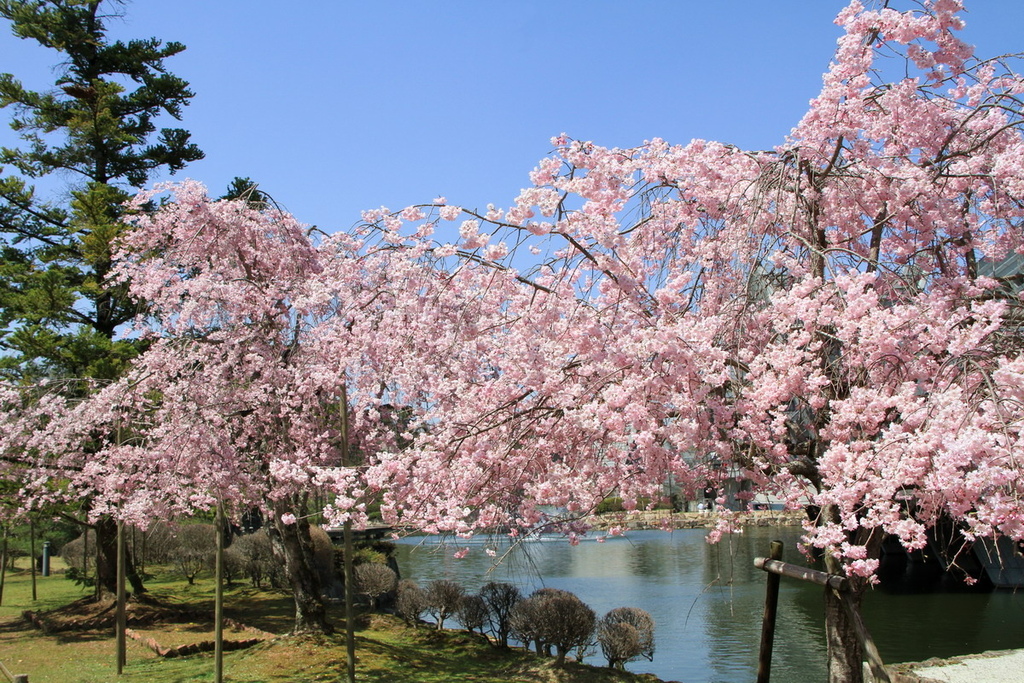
336,106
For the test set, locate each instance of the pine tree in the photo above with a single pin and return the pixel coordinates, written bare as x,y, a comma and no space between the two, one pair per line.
97,126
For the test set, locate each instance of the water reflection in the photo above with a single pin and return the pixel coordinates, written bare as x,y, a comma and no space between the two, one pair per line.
707,601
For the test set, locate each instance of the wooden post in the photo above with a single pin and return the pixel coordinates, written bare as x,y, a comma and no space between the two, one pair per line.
3,564
218,600
85,552
13,678
120,620
98,590
771,604
794,571
32,554
350,613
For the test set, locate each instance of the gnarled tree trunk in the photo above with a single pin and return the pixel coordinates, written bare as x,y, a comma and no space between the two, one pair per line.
293,547
106,559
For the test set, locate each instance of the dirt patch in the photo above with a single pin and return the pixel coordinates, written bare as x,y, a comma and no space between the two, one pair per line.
167,631
88,614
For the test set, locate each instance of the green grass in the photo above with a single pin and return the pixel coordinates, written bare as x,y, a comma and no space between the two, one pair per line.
387,650
51,592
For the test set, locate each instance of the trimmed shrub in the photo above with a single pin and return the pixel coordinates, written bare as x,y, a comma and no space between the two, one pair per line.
411,602
553,618
626,634
472,613
375,580
443,597
323,555
258,556
501,598
194,547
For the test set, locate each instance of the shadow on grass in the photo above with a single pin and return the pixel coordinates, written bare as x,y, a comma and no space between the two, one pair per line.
78,637
425,655
267,611
12,626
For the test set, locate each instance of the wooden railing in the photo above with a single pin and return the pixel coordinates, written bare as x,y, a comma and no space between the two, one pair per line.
839,585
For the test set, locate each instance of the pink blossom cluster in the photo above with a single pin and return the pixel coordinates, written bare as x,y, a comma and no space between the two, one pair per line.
820,321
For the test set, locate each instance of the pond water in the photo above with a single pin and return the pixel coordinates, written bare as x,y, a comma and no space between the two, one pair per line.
707,601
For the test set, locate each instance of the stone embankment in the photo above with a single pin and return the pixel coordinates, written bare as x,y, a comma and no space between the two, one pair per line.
666,519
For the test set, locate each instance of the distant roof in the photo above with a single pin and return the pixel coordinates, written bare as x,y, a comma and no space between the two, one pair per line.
1012,265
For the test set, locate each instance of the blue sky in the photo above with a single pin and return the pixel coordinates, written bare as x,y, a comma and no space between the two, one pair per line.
339,106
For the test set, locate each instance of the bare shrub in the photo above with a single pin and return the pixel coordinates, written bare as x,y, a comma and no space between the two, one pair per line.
259,562
472,613
375,579
443,597
323,554
626,634
524,622
234,565
554,618
72,552
157,544
500,598
411,601
194,545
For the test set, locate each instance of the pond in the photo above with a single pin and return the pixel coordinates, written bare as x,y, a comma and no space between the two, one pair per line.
707,601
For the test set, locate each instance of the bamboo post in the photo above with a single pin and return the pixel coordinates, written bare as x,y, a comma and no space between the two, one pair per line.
218,601
120,619
771,604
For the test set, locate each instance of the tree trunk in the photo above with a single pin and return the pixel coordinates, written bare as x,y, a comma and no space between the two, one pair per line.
106,559
845,654
294,549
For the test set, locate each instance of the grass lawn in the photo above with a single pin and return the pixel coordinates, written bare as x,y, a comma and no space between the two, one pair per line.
387,651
